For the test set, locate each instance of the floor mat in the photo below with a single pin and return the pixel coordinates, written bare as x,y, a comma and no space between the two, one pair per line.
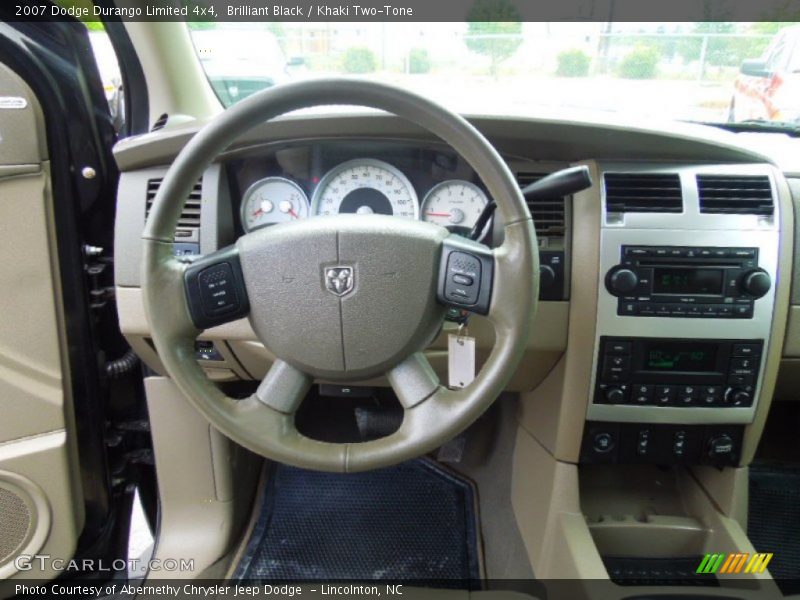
412,522
773,523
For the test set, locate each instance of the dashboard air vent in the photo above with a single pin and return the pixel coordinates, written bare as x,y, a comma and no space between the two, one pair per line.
735,194
643,192
547,213
190,216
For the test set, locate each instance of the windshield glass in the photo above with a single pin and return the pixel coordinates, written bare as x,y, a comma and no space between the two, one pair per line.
711,71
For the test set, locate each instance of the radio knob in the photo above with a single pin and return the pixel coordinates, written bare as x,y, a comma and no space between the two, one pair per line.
736,397
756,283
622,281
615,395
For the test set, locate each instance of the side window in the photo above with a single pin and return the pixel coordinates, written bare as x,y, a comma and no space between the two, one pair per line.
776,60
110,75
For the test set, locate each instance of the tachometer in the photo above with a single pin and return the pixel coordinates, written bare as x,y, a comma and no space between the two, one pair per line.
273,200
456,204
365,186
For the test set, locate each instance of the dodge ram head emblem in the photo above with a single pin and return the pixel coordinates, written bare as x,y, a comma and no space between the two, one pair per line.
339,280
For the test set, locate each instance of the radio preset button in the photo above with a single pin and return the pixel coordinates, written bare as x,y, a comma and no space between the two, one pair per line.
742,311
628,308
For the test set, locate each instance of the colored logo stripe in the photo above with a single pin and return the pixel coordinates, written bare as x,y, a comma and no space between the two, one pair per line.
734,563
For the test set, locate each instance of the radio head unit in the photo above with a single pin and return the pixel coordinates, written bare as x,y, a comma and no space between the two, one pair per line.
672,281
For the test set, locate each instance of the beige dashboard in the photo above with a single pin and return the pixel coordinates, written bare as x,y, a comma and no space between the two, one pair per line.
555,373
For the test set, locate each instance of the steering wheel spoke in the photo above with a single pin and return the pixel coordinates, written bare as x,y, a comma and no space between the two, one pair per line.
215,289
466,275
283,388
413,380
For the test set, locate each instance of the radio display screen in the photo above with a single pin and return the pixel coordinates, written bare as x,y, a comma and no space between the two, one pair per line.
671,280
680,356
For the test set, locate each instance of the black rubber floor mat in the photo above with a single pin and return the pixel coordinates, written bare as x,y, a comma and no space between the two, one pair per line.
773,523
412,522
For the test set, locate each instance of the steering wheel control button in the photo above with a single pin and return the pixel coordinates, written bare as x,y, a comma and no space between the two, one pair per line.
217,293
463,270
215,289
465,275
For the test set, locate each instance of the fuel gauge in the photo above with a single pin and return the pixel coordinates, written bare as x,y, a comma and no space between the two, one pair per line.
273,200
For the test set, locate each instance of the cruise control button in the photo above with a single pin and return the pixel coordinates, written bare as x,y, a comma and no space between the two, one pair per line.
217,293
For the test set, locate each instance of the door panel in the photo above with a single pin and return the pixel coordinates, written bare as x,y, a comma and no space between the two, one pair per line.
41,508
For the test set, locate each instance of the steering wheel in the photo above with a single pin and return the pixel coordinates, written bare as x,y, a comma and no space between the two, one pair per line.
341,298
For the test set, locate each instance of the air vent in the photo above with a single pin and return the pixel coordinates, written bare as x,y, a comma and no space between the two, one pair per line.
160,122
190,216
643,192
547,213
735,194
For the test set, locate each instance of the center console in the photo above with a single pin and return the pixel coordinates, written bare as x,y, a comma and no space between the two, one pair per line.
685,306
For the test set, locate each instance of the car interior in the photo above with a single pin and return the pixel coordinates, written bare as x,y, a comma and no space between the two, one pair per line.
384,342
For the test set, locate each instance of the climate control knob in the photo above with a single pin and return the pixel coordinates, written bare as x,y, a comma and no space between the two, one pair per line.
756,283
737,397
621,281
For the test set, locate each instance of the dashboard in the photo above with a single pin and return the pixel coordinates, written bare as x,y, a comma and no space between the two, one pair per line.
662,322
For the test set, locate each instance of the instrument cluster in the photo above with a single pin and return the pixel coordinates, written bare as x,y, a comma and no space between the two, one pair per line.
362,186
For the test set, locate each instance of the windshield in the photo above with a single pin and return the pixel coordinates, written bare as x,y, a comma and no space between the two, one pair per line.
710,71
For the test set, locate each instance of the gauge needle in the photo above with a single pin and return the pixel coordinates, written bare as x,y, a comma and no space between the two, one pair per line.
437,214
294,214
258,212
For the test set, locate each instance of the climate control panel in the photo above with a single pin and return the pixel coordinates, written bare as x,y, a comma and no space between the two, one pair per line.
683,373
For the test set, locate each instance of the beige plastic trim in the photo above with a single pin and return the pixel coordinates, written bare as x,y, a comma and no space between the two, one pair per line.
171,67
774,350
36,501
41,465
205,482
554,412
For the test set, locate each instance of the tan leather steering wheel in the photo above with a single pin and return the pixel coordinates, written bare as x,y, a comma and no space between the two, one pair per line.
395,276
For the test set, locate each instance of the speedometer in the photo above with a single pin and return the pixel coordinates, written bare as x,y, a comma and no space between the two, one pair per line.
456,204
365,186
